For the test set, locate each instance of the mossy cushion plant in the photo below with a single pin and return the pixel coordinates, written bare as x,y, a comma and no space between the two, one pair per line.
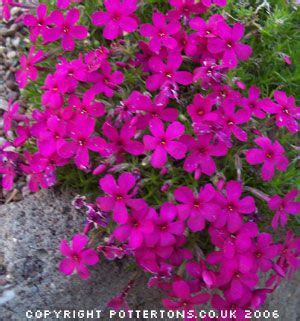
176,122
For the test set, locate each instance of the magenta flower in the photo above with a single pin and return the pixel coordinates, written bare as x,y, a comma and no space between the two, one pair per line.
167,73
201,109
238,282
237,244
287,113
183,298
265,251
135,229
119,197
12,114
39,171
200,160
77,256
8,166
51,136
196,207
28,70
254,103
228,44
55,89
6,9
232,207
37,25
64,28
117,19
283,207
82,140
155,109
64,4
107,81
220,3
95,58
160,32
163,142
87,106
166,226
123,141
184,8
271,155
232,118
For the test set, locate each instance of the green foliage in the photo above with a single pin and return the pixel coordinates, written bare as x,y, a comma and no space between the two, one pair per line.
272,29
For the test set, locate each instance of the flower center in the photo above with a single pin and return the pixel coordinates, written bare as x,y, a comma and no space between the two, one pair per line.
75,257
163,141
230,122
258,255
229,44
286,111
269,155
230,207
200,112
66,29
119,197
163,227
169,75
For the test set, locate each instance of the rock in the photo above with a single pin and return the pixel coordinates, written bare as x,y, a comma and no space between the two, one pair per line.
30,233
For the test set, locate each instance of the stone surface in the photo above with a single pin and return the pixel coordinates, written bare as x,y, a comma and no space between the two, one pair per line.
30,233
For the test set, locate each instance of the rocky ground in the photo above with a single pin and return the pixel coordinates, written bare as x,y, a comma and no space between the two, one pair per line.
30,233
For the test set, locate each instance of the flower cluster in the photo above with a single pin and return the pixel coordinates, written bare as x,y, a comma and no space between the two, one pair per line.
181,113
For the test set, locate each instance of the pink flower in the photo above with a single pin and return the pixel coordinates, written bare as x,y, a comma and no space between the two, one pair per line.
238,244
64,4
287,113
271,155
8,166
107,81
163,142
77,256
37,25
123,141
228,44
64,28
55,89
87,106
12,114
81,132
196,207
167,73
51,136
220,3
201,150
183,298
231,120
184,8
118,18
6,9
135,229
156,109
232,207
166,226
94,59
28,69
238,282
283,207
265,251
160,32
39,171
119,197
201,109
254,103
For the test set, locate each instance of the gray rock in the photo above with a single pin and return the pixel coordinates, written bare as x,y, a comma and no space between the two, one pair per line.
30,233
